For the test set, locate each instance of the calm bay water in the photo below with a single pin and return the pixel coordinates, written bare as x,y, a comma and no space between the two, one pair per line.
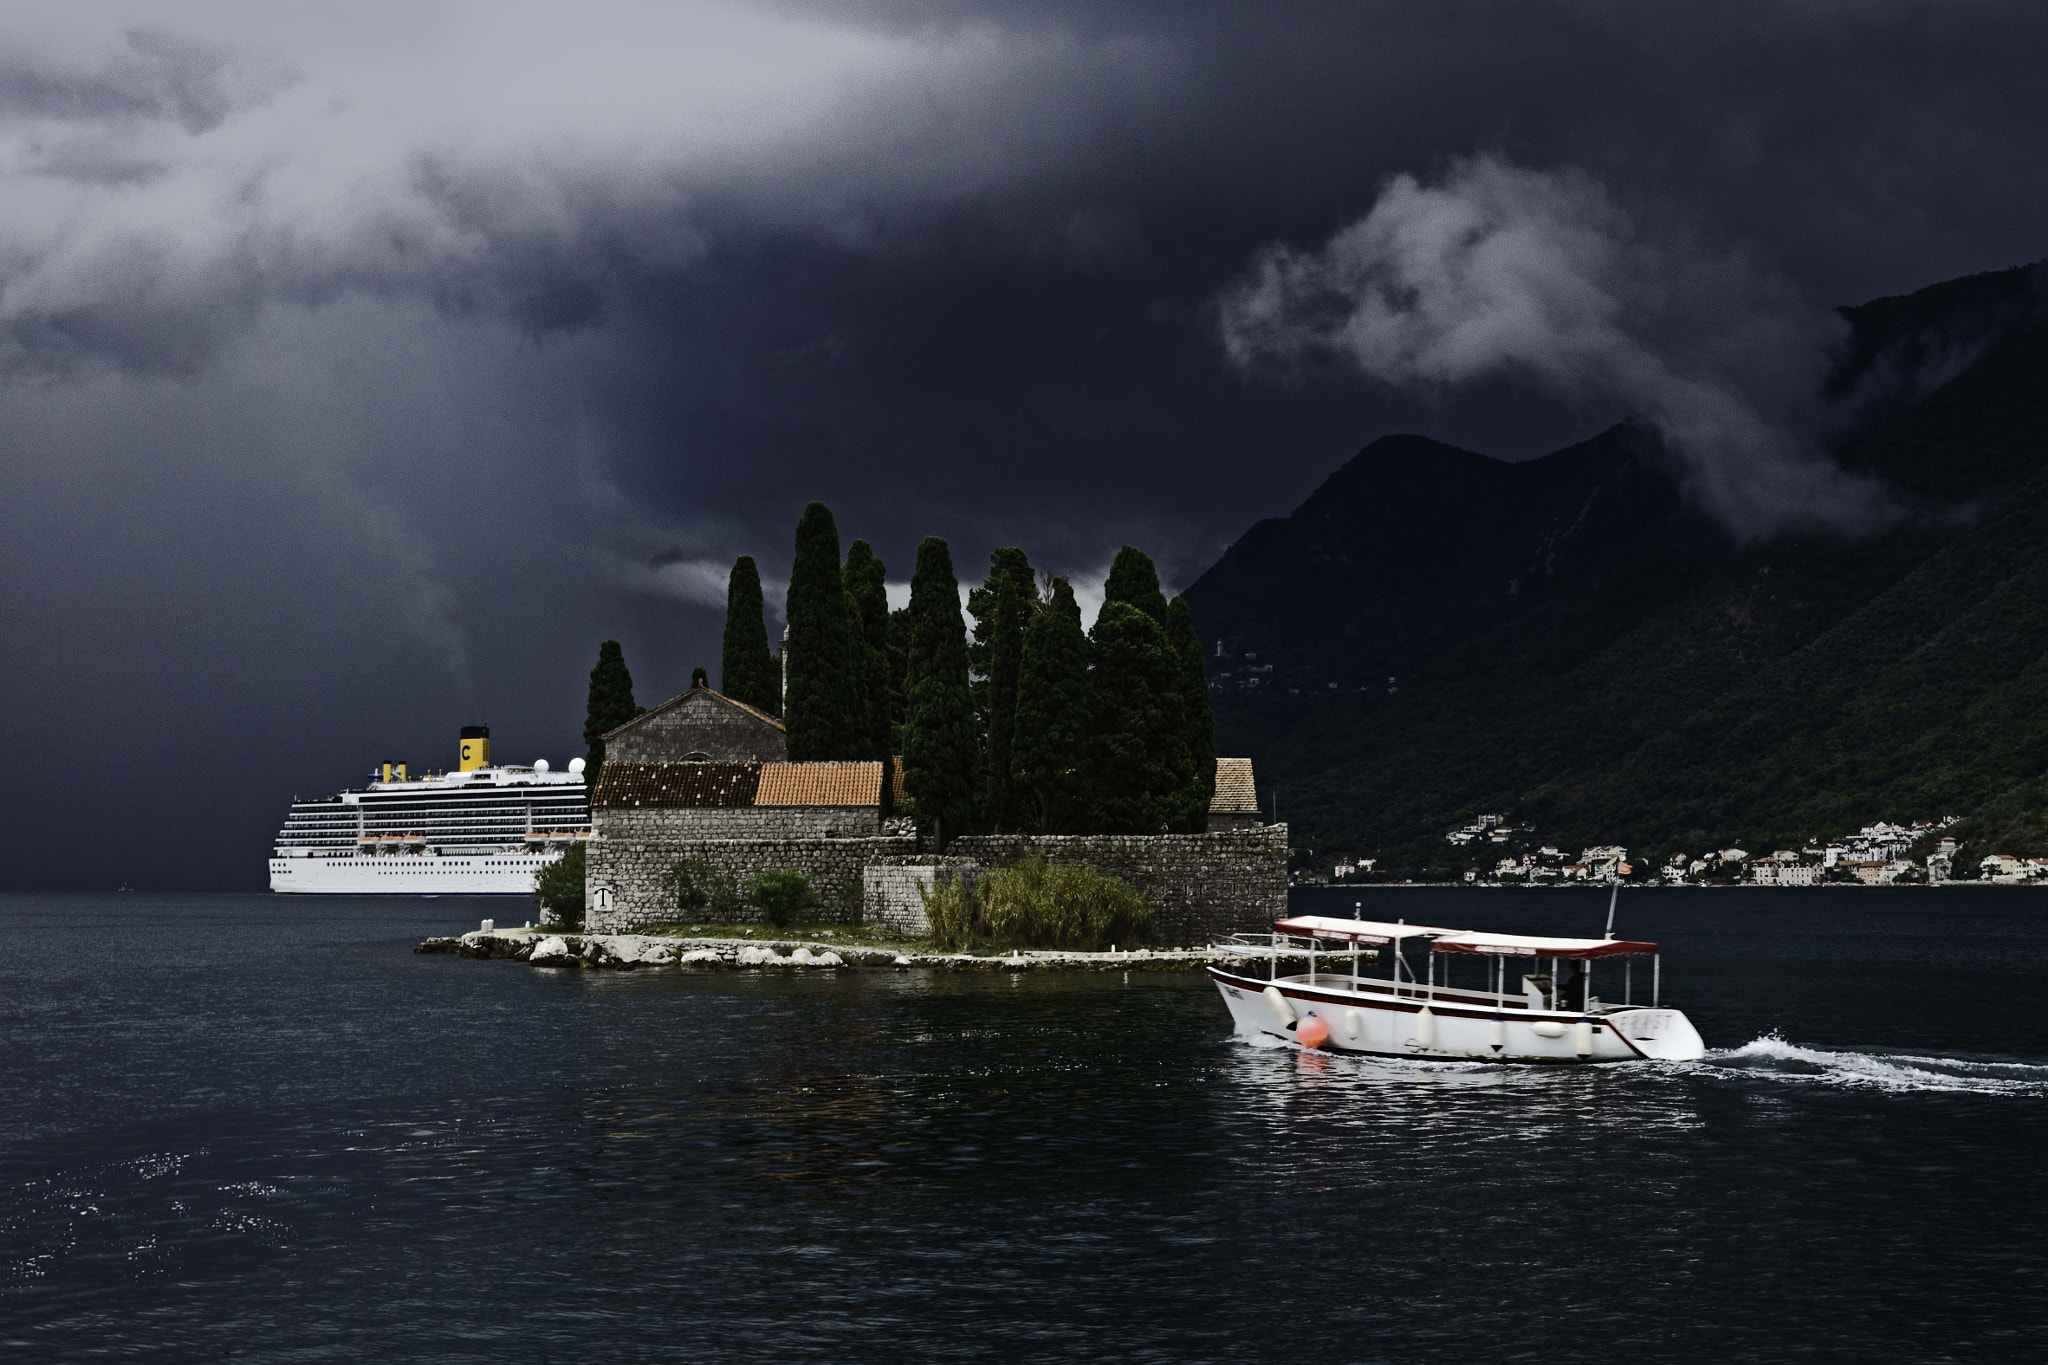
241,1124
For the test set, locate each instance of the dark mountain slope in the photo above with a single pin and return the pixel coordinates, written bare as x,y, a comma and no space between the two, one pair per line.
1414,547
1765,694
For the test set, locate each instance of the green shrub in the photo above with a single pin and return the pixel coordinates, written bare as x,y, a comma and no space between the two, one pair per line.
1037,904
782,893
558,890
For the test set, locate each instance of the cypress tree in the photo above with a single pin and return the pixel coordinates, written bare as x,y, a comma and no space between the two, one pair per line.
1138,768
821,705
611,704
1198,718
940,749
746,671
868,608
1049,753
1133,579
899,667
1001,606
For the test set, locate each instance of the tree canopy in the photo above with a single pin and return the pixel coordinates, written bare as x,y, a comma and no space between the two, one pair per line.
1049,755
1001,606
822,708
1134,580
941,748
611,702
1138,768
746,671
1198,719
868,611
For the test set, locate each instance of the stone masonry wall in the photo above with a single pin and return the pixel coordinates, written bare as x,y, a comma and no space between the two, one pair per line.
1202,886
624,874
651,824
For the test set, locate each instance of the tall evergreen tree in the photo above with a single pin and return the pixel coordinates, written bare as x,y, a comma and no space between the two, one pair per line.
1049,754
1002,606
868,608
611,704
821,706
1198,718
899,668
1133,579
940,747
746,670
1138,768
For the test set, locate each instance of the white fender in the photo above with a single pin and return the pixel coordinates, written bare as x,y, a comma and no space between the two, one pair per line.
1497,1035
1354,1024
1547,1028
1582,1038
1425,1028
1283,1008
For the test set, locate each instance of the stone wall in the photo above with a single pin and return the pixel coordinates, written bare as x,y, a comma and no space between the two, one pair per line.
652,824
1202,886
624,873
893,894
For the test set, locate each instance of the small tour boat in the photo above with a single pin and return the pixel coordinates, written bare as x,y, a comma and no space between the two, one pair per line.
1394,1012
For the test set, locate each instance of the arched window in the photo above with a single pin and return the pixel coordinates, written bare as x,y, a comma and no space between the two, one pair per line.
696,756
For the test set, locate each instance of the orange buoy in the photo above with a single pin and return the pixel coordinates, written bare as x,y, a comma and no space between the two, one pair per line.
1312,1032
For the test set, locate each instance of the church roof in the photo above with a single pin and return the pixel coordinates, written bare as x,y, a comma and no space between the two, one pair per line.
676,784
820,784
731,785
1235,792
677,700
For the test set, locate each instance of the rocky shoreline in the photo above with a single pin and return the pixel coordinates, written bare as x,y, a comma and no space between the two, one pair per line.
648,952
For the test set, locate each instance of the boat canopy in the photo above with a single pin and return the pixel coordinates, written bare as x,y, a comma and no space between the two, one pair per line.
1354,930
1518,945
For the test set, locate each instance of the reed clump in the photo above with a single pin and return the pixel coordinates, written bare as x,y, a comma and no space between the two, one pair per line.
1039,904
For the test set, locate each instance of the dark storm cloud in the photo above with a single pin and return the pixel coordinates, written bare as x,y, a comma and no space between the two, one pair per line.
460,337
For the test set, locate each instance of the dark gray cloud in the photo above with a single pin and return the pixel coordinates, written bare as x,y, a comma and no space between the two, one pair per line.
364,367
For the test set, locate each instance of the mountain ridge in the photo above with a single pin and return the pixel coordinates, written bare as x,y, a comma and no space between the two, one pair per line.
1664,690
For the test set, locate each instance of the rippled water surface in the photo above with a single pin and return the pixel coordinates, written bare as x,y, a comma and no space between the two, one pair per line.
241,1124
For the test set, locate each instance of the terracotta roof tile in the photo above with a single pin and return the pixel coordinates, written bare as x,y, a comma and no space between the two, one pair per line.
1235,792
677,784
820,784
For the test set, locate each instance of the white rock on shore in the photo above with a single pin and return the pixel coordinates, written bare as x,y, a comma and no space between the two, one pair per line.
552,951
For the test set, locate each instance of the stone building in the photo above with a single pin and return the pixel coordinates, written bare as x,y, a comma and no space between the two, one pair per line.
700,726
705,777
1236,802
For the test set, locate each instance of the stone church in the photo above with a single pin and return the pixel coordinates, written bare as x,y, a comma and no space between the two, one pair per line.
704,776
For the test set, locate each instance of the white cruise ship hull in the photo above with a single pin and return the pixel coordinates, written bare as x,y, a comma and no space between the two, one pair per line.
497,874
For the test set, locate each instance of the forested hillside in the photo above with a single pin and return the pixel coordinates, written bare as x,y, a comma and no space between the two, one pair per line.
1613,671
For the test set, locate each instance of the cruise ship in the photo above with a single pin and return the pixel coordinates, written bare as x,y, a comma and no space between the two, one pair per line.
479,830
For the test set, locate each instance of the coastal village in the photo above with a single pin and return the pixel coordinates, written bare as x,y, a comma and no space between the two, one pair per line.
1878,854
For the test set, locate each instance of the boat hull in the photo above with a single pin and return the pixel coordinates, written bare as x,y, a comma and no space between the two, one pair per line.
1374,1023
499,874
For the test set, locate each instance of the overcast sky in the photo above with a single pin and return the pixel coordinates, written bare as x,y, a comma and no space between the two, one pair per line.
362,366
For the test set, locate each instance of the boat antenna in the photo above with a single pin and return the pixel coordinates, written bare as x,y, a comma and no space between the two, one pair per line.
1612,897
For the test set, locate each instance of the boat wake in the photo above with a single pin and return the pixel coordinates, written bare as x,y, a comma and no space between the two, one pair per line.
1772,1056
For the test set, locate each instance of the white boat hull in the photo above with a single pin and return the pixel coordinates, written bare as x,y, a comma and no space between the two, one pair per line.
1379,1023
496,874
